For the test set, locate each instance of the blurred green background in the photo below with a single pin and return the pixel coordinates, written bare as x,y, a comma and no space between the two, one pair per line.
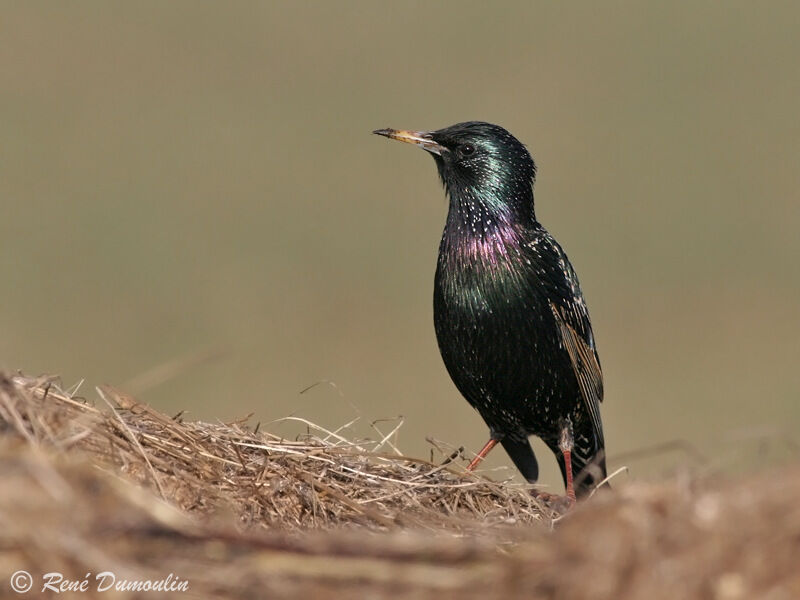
183,178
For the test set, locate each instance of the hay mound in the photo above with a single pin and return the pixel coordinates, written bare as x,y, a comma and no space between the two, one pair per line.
237,514
268,481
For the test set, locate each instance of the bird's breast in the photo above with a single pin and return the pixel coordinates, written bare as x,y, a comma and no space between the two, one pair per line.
480,274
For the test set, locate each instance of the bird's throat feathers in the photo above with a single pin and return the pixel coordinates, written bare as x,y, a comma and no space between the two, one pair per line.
480,260
481,267
479,236
483,232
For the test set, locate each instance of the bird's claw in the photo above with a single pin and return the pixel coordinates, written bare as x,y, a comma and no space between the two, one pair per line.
557,502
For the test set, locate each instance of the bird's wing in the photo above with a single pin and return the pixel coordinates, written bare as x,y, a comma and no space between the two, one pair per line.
575,330
586,365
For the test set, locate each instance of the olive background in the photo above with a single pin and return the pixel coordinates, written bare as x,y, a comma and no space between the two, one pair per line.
192,187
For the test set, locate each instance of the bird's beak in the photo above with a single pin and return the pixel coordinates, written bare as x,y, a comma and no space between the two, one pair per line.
423,139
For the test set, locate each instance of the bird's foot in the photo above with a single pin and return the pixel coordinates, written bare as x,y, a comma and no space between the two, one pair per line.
561,504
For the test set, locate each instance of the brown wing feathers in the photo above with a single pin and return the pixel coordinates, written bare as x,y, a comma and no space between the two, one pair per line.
586,366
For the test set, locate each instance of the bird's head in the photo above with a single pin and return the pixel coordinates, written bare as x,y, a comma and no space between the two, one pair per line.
481,165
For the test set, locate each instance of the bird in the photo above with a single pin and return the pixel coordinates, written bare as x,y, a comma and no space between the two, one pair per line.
511,321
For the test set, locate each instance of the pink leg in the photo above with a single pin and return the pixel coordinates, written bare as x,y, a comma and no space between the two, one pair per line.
482,454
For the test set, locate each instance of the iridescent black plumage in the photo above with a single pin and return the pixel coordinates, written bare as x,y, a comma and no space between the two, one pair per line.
512,326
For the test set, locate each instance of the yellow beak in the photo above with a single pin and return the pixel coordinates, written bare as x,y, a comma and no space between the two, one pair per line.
422,139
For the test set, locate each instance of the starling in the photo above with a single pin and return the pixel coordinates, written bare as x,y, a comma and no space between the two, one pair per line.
511,322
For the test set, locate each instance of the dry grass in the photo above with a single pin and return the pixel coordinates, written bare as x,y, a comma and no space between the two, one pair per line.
118,486
322,481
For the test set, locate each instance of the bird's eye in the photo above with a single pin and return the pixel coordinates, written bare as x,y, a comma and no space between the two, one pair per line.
467,149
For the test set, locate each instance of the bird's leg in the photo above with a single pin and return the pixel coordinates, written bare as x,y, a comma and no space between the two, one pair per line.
482,454
565,445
